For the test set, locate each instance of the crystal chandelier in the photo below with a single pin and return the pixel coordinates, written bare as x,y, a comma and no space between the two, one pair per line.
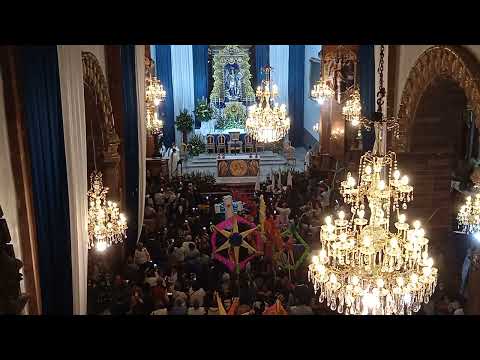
267,121
322,91
469,215
154,125
154,95
365,265
106,225
352,110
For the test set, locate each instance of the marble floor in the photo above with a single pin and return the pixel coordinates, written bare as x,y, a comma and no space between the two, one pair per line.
207,163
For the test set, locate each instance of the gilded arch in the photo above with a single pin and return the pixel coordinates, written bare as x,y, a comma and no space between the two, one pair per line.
94,79
445,61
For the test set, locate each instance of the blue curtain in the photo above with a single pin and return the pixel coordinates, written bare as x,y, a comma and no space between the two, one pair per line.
44,127
130,136
262,59
200,74
164,74
366,69
296,71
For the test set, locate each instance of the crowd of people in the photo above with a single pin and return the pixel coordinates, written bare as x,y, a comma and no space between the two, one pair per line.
172,270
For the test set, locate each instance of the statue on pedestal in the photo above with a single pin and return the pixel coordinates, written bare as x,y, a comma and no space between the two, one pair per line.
231,87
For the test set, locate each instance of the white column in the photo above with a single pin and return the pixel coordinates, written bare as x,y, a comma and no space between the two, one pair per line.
182,82
279,55
142,133
74,129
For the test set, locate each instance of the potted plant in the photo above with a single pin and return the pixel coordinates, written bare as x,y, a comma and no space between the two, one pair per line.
203,112
184,123
196,145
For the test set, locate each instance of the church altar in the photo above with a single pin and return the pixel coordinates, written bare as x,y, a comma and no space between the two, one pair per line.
238,166
231,94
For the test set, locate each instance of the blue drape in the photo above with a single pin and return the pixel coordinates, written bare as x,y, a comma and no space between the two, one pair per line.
200,74
262,59
164,74
366,69
130,136
44,127
296,71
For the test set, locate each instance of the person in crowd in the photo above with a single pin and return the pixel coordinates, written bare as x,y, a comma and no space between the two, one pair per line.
178,308
137,303
120,296
149,212
196,293
196,309
141,255
160,310
302,299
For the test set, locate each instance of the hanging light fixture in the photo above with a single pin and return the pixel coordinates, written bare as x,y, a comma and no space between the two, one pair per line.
322,92
106,225
154,125
154,95
367,265
352,110
267,121
469,214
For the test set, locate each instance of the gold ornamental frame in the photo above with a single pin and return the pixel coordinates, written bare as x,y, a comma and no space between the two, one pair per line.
441,61
93,77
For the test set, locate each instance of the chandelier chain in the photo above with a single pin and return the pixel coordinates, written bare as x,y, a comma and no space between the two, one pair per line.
381,88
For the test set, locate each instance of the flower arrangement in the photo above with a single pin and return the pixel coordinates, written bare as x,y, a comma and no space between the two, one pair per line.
203,111
234,117
196,145
184,123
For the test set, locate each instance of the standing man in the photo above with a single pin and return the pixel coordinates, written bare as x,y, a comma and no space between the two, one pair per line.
307,158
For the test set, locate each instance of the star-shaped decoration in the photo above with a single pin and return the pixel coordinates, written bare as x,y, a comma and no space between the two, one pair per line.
235,240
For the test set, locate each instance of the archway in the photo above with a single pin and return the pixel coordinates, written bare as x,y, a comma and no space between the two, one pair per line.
100,125
452,62
439,117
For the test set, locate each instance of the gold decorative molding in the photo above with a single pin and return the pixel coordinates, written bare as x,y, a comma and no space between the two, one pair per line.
442,61
94,78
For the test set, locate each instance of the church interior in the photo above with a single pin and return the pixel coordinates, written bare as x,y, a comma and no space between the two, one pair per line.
240,180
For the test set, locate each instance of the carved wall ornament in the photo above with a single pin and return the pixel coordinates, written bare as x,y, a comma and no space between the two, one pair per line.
441,61
94,78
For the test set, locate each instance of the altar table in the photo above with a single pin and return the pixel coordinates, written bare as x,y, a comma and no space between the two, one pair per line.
238,165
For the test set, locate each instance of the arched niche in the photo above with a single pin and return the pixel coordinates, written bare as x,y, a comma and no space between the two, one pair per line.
443,61
100,125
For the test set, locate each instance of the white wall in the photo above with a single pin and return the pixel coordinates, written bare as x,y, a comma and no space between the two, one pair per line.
8,199
311,109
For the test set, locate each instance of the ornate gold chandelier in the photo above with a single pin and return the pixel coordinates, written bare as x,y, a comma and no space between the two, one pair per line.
322,92
106,225
154,95
469,215
352,110
267,121
365,265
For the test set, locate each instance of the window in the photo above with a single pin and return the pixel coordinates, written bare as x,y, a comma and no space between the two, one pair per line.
315,69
